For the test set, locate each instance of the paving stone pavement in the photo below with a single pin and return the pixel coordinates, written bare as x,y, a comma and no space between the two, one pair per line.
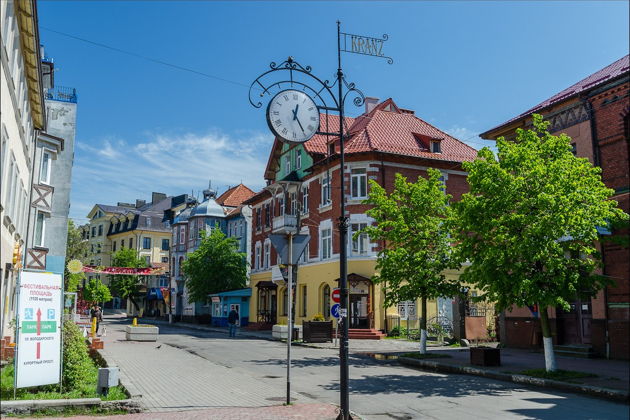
170,379
298,411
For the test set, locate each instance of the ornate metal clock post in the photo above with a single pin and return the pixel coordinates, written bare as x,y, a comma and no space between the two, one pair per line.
296,88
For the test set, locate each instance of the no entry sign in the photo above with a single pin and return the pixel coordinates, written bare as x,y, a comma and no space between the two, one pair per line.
39,329
336,295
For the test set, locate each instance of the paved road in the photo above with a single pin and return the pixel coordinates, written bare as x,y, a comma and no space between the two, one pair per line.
379,390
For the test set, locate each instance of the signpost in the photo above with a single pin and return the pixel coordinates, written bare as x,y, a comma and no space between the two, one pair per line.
40,308
336,295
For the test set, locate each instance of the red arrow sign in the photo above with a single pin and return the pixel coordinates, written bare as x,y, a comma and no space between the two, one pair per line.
39,321
336,295
37,353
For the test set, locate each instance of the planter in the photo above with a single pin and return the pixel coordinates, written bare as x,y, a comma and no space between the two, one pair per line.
141,333
485,356
318,331
279,332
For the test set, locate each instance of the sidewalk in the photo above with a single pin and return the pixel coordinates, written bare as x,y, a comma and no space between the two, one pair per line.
166,378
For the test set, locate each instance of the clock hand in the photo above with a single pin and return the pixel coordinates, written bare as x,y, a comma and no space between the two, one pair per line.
299,123
295,112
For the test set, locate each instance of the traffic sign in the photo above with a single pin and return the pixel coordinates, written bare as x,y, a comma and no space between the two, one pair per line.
336,295
334,310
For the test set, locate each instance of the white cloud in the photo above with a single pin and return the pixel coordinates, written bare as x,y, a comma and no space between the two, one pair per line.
113,170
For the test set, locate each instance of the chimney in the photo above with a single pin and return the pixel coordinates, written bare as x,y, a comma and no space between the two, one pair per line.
370,103
140,203
156,197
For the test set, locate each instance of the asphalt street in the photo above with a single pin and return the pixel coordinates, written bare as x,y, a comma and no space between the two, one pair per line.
379,389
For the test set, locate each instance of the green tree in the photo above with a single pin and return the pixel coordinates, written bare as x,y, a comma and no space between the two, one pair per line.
413,221
76,248
215,266
95,291
127,286
528,226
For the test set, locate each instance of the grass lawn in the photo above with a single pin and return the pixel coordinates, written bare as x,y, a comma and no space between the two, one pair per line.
558,375
415,355
69,412
51,392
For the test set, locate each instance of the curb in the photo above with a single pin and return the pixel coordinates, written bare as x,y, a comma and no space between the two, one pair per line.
605,393
241,333
29,406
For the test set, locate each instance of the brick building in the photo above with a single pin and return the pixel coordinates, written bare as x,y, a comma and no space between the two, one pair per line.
305,179
594,112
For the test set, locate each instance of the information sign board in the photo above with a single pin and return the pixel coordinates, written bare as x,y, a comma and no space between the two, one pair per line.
334,310
39,336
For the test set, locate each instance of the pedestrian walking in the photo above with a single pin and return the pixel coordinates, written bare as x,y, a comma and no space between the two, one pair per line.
233,319
97,313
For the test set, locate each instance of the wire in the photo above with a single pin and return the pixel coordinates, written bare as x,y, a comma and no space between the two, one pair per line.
153,60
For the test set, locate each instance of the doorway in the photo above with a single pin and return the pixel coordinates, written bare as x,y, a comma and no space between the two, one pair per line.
359,311
574,325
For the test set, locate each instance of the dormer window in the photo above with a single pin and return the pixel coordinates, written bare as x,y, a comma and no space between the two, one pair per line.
287,162
331,149
435,146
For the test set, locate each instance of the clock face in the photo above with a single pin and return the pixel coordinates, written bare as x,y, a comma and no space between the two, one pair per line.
293,116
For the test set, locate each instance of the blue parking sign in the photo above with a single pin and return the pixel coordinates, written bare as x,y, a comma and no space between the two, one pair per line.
51,314
334,310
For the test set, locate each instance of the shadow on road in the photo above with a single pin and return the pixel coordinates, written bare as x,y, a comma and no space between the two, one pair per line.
305,362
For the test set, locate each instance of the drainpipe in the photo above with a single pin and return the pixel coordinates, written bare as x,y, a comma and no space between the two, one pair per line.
596,162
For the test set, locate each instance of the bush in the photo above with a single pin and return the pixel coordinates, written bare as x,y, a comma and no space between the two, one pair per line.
78,368
318,317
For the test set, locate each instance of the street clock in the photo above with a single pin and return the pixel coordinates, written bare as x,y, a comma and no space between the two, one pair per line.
293,116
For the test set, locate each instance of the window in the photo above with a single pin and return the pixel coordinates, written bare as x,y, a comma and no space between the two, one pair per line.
165,244
331,149
98,248
294,203
326,301
303,305
130,242
182,234
40,225
267,257
305,199
267,215
257,257
164,259
100,230
326,190
44,173
306,253
258,218
435,147
114,246
360,245
358,183
146,243
93,231
92,248
122,243
287,162
298,159
326,243
147,260
285,301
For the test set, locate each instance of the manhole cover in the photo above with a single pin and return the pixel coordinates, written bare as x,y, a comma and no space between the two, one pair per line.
272,376
279,399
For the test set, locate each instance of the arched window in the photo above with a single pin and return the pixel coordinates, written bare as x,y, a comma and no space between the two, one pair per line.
326,301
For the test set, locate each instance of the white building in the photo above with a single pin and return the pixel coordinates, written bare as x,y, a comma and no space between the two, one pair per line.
22,117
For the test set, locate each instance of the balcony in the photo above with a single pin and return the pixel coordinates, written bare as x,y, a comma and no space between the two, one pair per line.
62,94
285,224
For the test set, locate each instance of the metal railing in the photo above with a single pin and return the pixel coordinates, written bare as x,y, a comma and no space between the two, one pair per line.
62,94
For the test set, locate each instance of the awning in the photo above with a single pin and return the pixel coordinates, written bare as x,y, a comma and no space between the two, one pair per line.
154,293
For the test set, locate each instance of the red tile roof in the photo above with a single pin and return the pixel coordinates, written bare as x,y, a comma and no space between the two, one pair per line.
609,72
389,129
234,196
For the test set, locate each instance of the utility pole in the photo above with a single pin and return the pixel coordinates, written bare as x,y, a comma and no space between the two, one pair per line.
289,315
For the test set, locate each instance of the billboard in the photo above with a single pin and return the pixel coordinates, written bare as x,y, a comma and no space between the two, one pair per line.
38,360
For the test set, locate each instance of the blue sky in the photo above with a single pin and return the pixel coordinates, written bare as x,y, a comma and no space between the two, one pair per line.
462,66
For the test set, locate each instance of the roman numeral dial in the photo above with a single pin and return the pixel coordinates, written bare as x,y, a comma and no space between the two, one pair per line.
293,116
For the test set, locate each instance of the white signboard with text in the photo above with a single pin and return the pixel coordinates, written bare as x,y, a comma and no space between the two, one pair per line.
39,340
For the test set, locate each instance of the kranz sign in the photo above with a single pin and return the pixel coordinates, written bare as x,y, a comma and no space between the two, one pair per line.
365,45
38,359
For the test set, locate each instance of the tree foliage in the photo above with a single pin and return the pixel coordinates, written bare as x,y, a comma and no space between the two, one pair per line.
215,266
76,248
528,226
95,291
414,222
127,286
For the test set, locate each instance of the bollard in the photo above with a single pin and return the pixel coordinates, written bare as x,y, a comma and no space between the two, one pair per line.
135,322
93,329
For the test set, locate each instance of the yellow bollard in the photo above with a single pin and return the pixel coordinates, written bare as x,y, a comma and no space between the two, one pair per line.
93,329
135,322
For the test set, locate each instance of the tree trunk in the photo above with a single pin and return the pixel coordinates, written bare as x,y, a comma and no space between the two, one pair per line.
134,303
423,326
550,357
